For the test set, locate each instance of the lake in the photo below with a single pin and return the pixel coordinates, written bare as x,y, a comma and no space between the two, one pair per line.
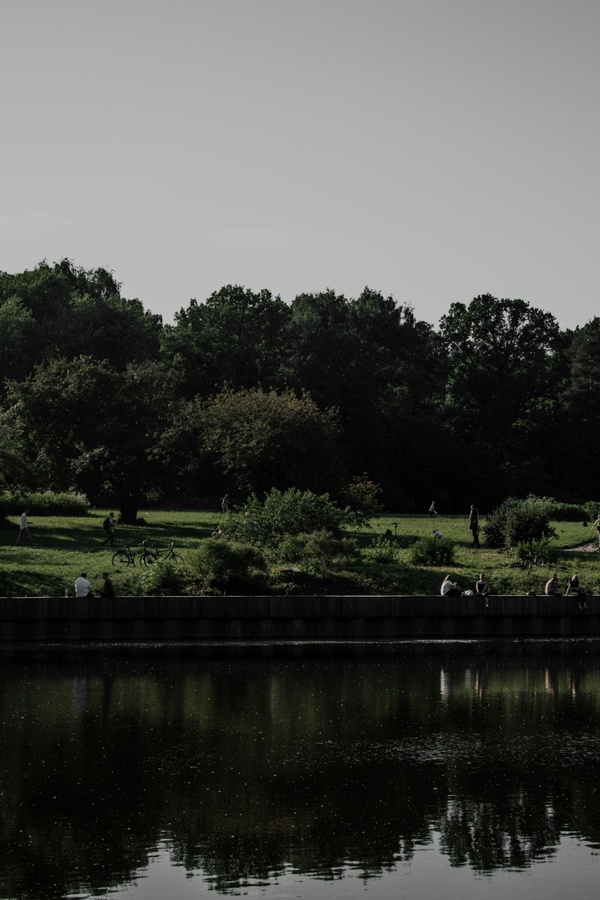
417,769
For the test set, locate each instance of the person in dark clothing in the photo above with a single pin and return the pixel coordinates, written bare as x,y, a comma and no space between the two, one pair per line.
109,528
108,589
474,525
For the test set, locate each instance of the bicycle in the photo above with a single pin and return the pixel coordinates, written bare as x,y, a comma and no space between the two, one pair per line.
169,554
124,556
147,556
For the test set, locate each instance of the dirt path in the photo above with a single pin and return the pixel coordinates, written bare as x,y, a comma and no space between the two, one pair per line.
584,548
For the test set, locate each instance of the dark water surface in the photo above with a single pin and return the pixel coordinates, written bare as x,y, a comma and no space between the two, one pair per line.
321,770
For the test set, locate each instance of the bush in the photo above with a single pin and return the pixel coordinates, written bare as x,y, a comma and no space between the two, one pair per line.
317,553
537,553
431,551
383,549
163,579
46,503
567,512
229,567
362,495
517,522
266,523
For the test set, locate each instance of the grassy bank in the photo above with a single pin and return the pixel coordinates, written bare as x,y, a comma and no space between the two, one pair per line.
64,547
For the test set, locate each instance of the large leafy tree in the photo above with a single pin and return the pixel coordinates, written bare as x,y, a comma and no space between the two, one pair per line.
502,387
66,311
84,424
253,440
371,359
576,450
234,339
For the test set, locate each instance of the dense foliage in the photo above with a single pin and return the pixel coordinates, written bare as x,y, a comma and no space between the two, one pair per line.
244,393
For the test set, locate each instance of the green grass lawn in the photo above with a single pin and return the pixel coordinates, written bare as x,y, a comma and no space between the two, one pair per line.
64,547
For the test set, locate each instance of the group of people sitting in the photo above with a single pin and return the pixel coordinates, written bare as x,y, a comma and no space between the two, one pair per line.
83,587
451,589
574,589
482,589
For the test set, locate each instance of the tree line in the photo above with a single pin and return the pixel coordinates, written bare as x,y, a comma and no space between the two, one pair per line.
351,396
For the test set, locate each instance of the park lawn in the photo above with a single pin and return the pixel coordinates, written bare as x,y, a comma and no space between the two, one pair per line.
66,546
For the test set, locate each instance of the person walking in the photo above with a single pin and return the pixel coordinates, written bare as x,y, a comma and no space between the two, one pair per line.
432,510
24,529
596,525
109,525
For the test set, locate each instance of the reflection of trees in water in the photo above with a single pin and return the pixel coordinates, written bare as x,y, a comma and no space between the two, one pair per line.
489,835
245,769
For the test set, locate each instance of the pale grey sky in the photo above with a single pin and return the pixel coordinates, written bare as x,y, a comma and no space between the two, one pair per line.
430,149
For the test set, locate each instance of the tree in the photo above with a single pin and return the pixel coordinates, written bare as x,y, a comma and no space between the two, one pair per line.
254,440
374,362
234,339
577,455
84,424
66,311
502,385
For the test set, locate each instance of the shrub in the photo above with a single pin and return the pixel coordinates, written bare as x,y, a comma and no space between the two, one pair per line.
567,512
318,552
537,553
431,551
229,567
517,522
266,523
362,495
382,549
163,579
45,503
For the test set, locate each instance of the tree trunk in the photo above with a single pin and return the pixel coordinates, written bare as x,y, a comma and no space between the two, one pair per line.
129,504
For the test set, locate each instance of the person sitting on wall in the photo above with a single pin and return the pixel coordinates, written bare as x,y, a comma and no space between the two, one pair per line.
482,588
450,588
108,589
83,588
575,589
551,588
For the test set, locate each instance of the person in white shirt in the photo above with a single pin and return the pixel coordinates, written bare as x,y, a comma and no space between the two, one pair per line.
450,588
82,586
24,528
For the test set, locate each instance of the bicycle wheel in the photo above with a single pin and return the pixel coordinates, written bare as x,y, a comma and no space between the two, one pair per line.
120,557
176,558
148,558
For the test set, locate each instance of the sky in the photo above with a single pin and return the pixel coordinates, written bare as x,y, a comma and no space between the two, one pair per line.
433,150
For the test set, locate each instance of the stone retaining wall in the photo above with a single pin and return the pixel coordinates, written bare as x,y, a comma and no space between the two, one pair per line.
292,618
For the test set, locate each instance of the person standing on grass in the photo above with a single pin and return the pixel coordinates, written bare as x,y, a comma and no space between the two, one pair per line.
24,529
432,510
474,525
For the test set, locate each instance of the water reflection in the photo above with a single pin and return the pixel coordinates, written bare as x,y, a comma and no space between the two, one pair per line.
250,766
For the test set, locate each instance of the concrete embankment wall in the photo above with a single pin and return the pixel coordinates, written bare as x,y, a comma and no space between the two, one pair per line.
292,618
